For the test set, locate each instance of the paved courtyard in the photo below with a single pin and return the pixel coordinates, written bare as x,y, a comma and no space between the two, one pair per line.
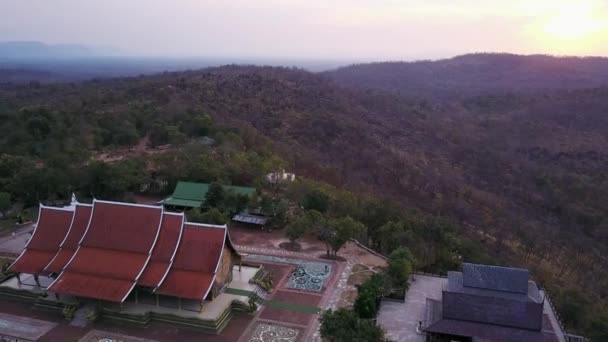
267,332
13,244
400,320
18,327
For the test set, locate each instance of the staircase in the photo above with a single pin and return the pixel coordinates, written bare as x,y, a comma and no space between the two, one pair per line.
81,318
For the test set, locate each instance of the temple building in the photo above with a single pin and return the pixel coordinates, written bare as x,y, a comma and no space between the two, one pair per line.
122,256
487,303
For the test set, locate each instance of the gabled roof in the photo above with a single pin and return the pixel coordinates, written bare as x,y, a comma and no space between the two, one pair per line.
82,215
113,252
196,262
189,194
53,225
495,278
190,191
437,323
105,249
164,252
183,203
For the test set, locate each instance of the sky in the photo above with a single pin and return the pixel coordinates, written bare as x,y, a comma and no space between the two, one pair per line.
313,29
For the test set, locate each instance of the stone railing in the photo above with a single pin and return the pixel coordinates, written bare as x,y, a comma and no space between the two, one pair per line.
567,336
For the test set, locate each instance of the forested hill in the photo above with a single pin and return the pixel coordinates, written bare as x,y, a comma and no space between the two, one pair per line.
476,74
523,174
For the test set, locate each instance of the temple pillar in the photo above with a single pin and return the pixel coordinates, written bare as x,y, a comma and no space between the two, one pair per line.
37,280
19,278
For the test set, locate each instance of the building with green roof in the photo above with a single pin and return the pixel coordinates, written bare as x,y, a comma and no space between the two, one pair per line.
192,195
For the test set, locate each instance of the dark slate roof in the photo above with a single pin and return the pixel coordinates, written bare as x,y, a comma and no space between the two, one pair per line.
485,332
456,284
250,219
435,323
495,278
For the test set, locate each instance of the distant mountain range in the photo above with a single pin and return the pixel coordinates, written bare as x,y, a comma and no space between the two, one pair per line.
476,74
39,50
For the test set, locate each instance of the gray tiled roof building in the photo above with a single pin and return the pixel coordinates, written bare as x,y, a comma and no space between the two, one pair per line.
487,303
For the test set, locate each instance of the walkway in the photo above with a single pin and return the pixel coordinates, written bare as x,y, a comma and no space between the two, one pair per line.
399,320
12,244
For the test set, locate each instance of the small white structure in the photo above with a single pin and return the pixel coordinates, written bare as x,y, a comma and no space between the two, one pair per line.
280,177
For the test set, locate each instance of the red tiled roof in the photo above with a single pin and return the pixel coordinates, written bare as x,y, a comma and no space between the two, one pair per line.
120,226
82,215
91,286
164,251
200,248
52,226
59,261
187,284
113,253
107,263
198,256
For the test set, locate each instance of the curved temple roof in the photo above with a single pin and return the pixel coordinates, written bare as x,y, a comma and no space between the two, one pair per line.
103,250
82,215
113,252
164,251
197,260
53,225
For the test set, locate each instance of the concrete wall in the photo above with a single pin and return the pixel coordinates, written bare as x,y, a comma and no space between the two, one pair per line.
224,271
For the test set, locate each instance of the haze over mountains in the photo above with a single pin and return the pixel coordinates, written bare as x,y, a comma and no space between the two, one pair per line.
25,61
513,149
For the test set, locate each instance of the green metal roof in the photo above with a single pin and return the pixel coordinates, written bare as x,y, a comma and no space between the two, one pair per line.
188,194
183,203
191,191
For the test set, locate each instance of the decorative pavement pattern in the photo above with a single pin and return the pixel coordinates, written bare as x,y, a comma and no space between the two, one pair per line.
16,328
308,276
334,297
105,336
273,333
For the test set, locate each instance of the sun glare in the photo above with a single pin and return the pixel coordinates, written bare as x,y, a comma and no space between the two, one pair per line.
570,27
574,20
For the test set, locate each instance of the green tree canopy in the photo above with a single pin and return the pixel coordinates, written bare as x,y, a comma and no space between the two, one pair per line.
5,203
211,216
343,229
316,200
215,195
400,265
368,296
344,326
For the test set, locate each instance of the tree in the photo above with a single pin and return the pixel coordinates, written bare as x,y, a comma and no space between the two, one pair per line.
275,209
297,228
211,216
316,200
235,202
342,230
369,295
343,325
400,266
215,195
5,203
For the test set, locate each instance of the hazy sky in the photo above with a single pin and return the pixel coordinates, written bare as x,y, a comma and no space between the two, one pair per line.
333,29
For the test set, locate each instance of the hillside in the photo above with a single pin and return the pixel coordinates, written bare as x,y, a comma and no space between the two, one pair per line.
476,74
523,174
